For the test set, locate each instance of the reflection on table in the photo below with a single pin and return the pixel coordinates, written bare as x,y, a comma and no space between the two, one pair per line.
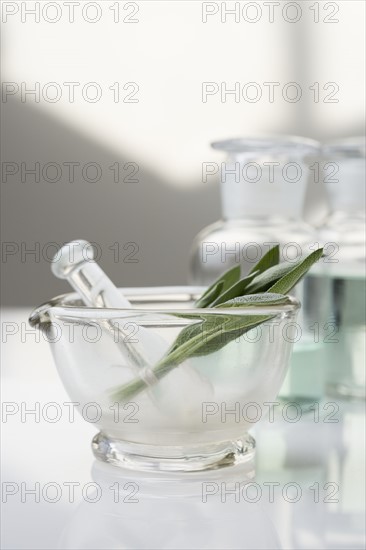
308,493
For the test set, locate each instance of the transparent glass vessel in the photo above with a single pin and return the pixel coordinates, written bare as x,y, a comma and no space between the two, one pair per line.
189,415
263,185
341,278
263,182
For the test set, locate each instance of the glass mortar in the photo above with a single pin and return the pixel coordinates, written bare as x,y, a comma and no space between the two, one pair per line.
194,417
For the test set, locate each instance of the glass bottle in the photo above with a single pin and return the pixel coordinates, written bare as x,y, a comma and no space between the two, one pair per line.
341,277
263,185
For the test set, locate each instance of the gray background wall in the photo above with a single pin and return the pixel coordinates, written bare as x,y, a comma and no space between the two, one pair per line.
160,219
170,53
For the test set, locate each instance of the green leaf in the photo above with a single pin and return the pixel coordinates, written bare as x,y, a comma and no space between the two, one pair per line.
229,278
236,290
234,328
271,258
212,332
263,299
288,281
203,339
205,324
210,296
263,281
220,330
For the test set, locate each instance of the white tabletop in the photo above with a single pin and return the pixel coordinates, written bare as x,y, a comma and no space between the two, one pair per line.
308,491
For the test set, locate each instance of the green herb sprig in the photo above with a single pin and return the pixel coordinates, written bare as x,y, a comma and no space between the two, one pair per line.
266,285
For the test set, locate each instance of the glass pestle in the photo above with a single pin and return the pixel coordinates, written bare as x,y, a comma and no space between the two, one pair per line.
96,289
86,277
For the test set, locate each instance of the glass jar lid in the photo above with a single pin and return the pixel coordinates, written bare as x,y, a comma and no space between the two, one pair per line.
352,147
291,146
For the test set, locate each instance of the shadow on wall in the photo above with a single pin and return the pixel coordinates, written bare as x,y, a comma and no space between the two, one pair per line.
160,220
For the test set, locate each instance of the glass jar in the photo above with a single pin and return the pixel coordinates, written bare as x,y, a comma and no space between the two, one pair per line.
263,185
341,277
192,409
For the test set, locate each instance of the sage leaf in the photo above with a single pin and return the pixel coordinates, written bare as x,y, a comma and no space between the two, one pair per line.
208,324
229,278
265,280
210,296
267,299
202,340
270,258
212,332
236,290
204,325
288,281
234,328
